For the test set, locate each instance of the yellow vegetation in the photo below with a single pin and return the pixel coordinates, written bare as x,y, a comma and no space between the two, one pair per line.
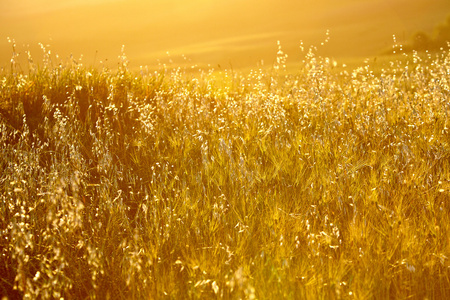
327,182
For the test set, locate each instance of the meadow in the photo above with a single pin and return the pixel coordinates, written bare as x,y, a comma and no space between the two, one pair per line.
320,182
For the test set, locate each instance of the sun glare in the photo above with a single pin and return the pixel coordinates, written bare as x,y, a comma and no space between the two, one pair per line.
228,149
149,28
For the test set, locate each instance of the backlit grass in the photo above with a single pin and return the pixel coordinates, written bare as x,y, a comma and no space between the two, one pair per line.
320,183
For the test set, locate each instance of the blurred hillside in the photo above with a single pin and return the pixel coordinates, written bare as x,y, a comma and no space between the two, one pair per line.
439,38
230,33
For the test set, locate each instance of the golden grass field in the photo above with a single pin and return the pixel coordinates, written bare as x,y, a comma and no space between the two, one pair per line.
319,182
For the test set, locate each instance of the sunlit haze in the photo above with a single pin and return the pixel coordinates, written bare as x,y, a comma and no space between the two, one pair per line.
234,33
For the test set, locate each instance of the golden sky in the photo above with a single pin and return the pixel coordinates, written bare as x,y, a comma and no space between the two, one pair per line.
236,32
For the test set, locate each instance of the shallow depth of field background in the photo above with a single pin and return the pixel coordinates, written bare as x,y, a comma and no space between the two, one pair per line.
231,33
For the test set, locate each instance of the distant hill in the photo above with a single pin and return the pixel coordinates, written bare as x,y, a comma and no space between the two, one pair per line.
440,38
232,32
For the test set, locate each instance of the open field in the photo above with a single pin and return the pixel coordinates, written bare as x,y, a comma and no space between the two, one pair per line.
225,32
322,182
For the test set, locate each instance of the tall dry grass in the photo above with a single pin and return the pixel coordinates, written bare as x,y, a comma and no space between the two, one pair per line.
325,183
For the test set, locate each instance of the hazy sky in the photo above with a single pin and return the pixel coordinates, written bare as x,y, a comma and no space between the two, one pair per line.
240,32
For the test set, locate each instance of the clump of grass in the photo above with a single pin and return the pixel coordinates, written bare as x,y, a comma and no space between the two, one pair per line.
322,183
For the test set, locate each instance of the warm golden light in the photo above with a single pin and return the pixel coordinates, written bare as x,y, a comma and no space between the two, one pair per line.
197,152
212,32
